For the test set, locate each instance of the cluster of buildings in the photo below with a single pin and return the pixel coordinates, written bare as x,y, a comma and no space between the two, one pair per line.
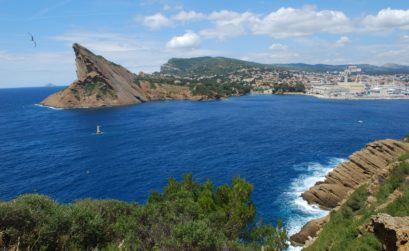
352,83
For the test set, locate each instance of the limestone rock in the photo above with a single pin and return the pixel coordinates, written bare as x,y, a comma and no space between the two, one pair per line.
309,231
101,82
393,232
358,169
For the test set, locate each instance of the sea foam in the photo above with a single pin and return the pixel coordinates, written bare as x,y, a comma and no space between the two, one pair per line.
50,107
299,211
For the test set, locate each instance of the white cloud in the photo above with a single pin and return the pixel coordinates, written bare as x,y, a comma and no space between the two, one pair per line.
291,22
184,16
342,41
282,23
279,47
156,21
187,41
159,20
228,24
387,19
285,22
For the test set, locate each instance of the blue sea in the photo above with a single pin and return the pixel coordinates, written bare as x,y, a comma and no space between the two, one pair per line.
281,144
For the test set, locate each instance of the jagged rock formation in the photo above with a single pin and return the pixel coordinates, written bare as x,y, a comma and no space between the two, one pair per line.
358,169
393,232
103,83
309,231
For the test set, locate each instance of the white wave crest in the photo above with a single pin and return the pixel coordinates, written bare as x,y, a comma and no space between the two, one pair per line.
299,210
50,107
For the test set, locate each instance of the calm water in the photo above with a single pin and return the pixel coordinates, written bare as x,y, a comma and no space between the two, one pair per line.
281,144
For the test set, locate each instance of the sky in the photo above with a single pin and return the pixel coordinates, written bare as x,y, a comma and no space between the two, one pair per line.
142,35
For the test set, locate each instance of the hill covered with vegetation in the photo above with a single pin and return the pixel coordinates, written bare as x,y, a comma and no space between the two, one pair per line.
187,215
222,65
207,66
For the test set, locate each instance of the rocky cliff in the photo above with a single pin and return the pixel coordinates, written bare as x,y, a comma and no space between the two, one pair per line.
101,82
359,168
370,163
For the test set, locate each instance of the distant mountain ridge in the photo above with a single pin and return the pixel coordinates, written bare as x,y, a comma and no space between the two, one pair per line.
223,65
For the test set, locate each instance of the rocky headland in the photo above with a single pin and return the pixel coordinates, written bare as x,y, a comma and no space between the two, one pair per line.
371,165
101,82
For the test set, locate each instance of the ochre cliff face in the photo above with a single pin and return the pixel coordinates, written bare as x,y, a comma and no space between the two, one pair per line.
103,83
393,232
358,169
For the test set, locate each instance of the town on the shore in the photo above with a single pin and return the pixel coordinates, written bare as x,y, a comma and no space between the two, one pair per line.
352,83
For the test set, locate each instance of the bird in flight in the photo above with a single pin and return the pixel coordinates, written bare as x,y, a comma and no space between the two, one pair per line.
32,39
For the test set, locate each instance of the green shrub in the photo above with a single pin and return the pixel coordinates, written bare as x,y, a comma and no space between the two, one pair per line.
404,156
188,215
394,181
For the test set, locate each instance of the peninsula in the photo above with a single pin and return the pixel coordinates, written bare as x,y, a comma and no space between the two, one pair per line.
103,83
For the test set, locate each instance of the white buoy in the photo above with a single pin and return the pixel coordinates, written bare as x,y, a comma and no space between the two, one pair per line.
99,132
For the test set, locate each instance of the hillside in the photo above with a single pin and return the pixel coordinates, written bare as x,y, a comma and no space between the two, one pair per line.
206,66
222,65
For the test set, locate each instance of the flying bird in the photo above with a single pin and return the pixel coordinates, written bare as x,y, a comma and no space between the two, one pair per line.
32,39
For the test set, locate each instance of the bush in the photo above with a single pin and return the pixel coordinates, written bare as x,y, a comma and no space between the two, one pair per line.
404,156
188,215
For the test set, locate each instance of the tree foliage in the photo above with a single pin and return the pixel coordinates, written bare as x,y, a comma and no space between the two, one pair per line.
187,215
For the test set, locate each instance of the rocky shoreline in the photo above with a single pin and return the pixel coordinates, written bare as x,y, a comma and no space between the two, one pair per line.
361,167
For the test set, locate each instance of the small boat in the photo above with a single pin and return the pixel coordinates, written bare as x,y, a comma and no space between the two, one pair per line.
99,132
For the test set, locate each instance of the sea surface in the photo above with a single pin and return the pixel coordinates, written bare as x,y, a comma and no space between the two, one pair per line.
281,144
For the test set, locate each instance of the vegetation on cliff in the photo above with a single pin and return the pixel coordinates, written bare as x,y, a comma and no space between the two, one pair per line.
346,228
212,87
187,215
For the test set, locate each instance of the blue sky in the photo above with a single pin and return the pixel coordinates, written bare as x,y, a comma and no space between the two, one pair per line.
142,35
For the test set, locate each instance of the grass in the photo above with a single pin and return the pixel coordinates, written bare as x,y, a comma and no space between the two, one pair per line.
400,207
404,156
89,88
394,181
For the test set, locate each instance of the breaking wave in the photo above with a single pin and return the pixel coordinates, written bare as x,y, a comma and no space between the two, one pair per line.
299,211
